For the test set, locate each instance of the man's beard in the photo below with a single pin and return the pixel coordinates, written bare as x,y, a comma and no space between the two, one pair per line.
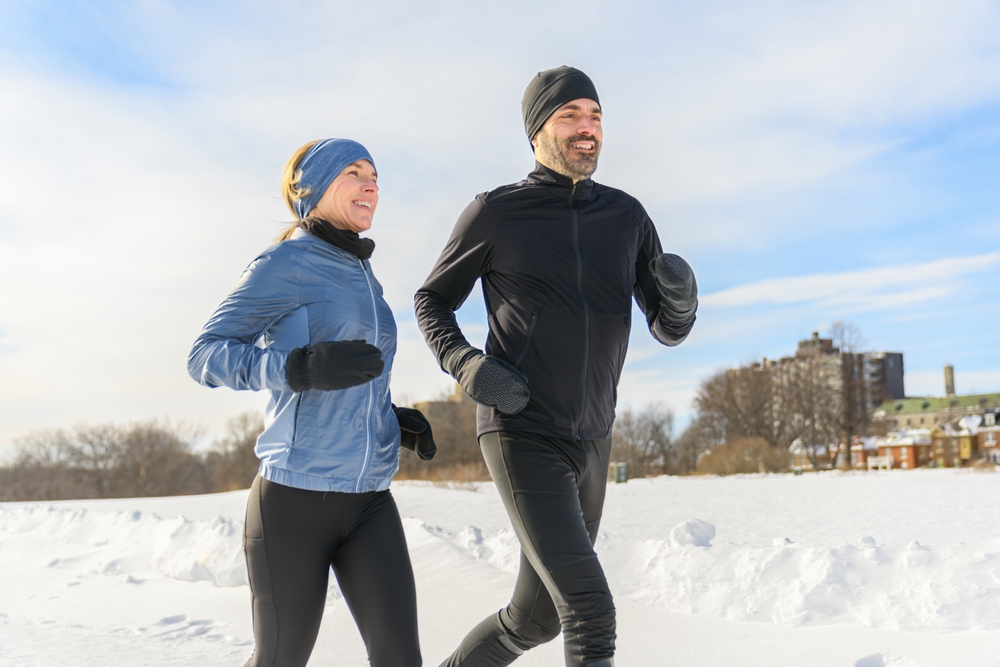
564,159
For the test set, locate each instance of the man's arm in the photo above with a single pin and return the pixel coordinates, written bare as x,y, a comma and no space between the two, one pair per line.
488,380
465,258
667,323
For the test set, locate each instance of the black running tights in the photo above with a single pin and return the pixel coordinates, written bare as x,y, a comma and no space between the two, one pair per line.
553,490
292,537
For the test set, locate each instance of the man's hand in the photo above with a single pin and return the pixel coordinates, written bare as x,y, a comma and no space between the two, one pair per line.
332,365
677,285
415,432
488,380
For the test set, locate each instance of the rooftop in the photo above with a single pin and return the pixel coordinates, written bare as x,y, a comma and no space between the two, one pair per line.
931,404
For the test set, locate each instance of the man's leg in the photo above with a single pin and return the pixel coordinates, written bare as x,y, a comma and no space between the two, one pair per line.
528,621
553,490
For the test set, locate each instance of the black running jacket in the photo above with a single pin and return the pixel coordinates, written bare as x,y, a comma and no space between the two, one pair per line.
559,265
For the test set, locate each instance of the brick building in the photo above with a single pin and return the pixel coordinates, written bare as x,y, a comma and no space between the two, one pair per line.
989,437
907,449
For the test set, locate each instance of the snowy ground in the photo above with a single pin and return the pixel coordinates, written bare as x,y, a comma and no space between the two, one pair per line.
896,569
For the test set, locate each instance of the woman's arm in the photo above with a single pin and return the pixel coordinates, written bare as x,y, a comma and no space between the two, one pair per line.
225,354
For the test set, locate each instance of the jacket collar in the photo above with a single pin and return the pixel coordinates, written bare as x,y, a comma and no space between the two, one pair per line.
562,186
338,238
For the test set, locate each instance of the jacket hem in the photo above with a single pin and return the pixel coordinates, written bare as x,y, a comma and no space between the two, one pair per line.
489,426
299,480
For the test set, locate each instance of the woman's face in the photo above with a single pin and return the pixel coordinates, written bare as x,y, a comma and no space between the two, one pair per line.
350,200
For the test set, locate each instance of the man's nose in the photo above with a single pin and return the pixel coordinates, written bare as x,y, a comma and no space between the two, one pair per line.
371,185
587,126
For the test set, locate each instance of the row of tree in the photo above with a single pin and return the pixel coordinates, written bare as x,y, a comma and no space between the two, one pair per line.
745,420
156,458
133,460
821,401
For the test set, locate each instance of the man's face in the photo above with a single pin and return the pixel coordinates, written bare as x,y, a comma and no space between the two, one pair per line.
570,140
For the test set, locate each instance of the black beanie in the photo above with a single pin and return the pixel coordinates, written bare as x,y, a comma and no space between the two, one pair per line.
550,90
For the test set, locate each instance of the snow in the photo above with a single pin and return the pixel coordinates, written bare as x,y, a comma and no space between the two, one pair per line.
898,569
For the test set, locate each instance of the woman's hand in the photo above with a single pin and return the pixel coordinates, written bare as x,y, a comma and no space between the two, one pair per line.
416,432
333,365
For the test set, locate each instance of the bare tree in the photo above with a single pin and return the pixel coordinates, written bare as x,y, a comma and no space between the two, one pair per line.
699,436
847,336
39,471
105,461
92,453
232,463
155,459
644,440
757,400
852,414
813,403
777,402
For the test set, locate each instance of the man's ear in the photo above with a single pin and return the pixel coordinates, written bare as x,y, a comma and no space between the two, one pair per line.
534,143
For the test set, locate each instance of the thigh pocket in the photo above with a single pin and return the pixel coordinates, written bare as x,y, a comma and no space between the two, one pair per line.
257,568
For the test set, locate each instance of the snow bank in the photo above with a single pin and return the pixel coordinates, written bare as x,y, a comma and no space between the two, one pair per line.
886,586
894,587
136,543
911,587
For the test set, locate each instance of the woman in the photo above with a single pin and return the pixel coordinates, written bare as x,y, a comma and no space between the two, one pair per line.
308,323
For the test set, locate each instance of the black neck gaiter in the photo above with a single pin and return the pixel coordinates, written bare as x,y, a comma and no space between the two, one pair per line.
339,238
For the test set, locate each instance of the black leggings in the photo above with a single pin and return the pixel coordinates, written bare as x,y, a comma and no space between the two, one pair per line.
292,537
553,490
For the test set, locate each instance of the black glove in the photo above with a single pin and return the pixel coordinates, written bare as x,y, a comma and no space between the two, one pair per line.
488,380
416,433
336,364
676,283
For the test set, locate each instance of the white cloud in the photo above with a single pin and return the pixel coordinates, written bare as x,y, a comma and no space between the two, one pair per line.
867,289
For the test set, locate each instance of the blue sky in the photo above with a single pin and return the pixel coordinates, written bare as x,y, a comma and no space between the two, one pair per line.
813,161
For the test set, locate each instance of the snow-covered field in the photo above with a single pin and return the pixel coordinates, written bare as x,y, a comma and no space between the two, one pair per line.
897,569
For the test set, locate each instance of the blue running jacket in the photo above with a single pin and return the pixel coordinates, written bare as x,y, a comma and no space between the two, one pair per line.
298,292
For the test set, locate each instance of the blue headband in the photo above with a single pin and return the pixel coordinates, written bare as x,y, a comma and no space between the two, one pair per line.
323,163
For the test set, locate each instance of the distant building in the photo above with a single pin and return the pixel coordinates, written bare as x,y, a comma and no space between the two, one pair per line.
956,443
884,377
906,449
801,460
989,435
881,372
862,449
927,412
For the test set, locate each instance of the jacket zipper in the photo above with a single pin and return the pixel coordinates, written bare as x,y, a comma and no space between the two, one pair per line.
371,387
586,316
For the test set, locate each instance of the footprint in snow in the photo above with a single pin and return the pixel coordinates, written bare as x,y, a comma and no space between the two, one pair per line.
886,659
170,620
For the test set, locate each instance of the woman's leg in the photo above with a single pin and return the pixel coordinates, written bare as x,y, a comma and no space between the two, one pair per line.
373,569
289,568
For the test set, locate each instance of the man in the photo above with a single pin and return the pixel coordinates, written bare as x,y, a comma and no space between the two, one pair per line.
560,258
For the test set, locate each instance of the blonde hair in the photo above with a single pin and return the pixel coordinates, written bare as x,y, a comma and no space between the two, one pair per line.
290,190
